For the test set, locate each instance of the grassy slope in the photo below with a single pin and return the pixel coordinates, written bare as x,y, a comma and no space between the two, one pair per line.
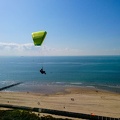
23,115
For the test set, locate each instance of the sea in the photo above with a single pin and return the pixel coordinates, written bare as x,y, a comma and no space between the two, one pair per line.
101,72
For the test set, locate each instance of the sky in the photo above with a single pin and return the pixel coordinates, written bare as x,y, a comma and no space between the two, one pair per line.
74,27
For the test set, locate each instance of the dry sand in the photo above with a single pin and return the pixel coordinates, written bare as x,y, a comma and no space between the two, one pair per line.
81,100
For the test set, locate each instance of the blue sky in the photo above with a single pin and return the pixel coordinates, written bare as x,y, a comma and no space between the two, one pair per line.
74,27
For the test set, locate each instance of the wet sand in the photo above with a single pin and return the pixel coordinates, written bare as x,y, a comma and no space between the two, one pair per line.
73,99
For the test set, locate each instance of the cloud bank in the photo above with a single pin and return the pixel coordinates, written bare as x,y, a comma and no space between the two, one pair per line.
28,49
11,49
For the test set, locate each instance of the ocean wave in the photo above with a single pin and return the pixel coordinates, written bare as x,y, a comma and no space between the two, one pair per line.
7,82
75,83
113,86
90,86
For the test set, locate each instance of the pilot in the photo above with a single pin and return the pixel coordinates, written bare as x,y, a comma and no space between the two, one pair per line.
42,71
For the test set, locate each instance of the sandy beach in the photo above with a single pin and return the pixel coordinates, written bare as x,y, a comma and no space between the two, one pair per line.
73,99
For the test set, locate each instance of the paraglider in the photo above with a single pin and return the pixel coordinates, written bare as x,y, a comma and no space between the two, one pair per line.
38,38
42,71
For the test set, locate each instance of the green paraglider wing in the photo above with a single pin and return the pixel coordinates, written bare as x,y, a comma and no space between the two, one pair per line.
38,37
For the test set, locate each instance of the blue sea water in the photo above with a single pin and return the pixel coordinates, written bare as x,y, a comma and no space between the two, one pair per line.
91,71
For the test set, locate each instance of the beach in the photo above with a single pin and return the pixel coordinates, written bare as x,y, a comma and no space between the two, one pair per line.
72,99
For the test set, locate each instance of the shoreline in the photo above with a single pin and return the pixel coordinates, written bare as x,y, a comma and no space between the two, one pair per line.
73,99
49,88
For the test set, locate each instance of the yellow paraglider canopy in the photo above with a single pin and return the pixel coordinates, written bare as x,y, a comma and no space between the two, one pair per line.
38,37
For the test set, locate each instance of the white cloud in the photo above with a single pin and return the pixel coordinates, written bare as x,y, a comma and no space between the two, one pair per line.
28,49
15,48
15,45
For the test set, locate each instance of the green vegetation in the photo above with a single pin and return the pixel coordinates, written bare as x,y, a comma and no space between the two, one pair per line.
23,115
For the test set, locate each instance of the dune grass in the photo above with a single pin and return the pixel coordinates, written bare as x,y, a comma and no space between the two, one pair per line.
24,115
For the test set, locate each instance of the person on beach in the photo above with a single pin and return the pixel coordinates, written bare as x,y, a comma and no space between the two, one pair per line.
42,71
